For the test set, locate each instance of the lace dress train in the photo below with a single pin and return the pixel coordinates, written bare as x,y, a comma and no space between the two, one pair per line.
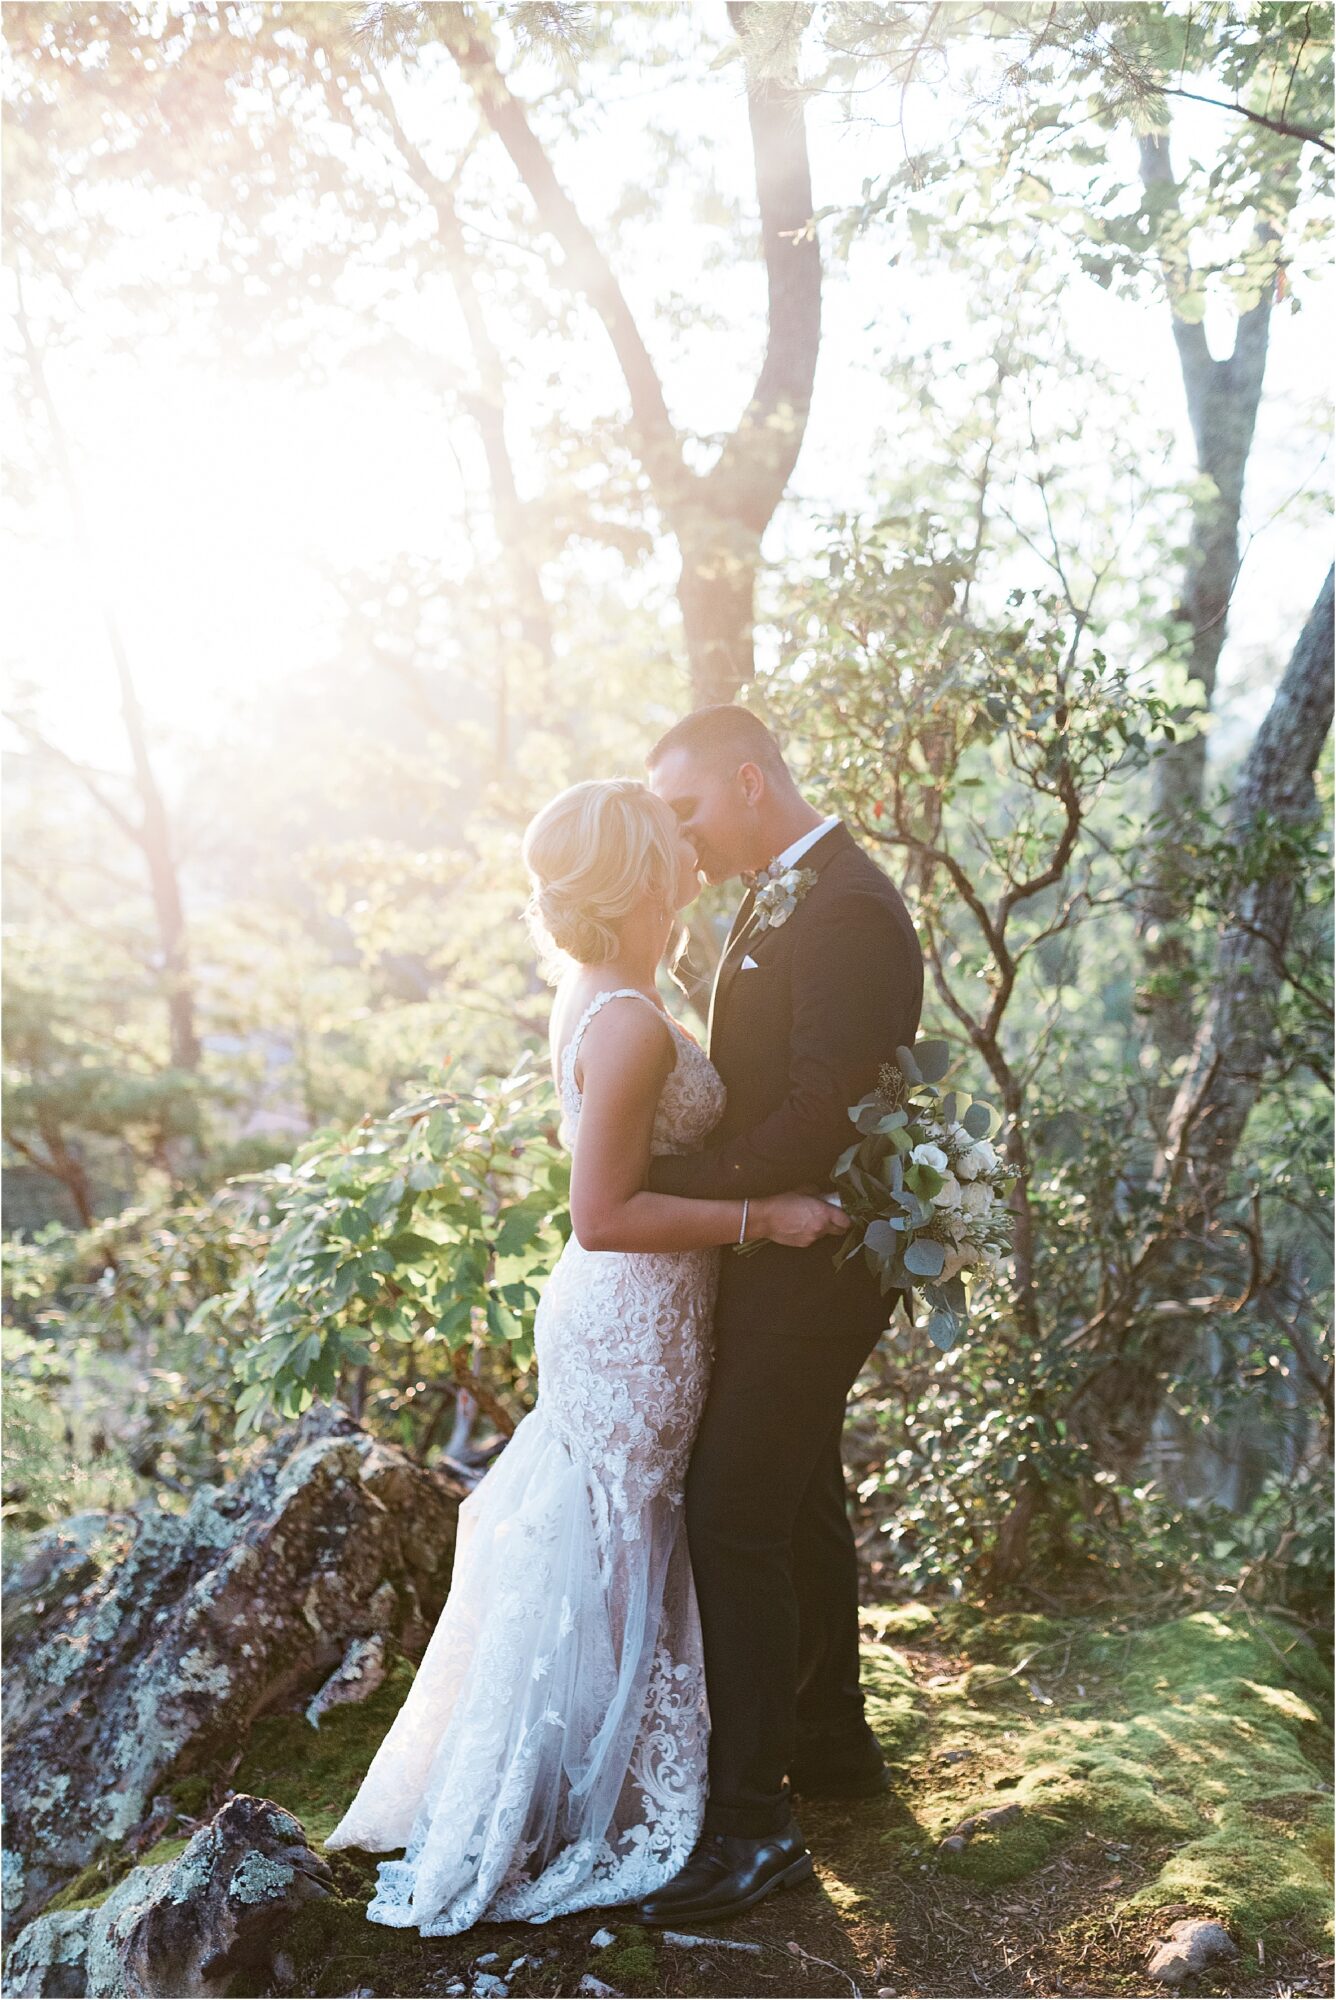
551,1753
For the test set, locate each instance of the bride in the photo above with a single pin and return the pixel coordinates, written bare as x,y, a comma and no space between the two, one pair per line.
550,1755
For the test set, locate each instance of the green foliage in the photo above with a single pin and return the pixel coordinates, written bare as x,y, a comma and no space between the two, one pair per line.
127,1317
411,1248
1058,95
992,761
970,671
431,1227
81,1094
47,1475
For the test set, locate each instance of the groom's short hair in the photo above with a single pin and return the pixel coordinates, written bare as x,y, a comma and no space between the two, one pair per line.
724,734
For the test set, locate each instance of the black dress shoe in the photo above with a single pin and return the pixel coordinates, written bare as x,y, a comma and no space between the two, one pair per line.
725,1873
866,1784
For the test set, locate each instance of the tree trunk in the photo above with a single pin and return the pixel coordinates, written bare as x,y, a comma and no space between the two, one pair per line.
718,518
1222,400
152,834
1118,1405
60,1164
1229,1055
716,593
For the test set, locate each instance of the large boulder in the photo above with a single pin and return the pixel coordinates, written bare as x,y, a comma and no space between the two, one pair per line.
141,1646
185,1927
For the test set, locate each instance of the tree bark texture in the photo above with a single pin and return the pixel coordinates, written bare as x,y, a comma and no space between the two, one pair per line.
1222,400
1147,1338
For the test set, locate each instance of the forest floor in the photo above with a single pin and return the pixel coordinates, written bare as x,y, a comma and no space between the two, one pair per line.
1161,1769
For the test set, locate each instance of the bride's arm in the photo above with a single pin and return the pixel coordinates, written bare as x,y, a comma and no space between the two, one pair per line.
626,1057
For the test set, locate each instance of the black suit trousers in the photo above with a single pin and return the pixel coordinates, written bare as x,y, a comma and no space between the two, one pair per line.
776,1573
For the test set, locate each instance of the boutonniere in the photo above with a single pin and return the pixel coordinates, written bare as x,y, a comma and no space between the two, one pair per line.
779,894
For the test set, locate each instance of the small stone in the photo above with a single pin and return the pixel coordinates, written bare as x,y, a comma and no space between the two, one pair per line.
516,1964
486,1986
597,1988
488,1958
602,1939
1190,1947
986,1822
952,1757
886,1993
455,1988
687,1941
955,1843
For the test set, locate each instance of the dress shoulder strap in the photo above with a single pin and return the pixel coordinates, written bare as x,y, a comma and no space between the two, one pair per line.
571,1049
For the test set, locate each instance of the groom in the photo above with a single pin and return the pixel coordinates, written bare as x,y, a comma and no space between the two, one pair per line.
804,1011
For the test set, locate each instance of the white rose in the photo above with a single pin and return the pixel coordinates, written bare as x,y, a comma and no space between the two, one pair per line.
984,1154
930,1156
976,1199
967,1165
948,1196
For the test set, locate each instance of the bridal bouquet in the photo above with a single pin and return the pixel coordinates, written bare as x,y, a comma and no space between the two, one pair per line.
923,1188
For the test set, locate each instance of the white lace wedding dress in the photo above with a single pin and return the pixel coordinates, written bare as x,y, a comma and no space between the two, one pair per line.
551,1753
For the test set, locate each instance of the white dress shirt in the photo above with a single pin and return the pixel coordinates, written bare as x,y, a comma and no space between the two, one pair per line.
797,848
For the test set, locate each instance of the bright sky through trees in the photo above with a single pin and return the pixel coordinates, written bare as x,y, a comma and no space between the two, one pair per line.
220,499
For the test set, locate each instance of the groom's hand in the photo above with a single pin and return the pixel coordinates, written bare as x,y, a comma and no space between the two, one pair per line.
797,1220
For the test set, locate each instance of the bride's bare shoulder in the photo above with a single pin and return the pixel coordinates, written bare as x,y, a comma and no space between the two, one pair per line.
629,1039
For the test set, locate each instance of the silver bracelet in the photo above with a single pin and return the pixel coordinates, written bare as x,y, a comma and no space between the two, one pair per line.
742,1233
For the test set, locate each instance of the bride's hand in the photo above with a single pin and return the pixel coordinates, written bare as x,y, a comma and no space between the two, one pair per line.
796,1220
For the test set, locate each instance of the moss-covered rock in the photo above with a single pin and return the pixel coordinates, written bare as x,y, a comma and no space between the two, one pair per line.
189,1925
139,1648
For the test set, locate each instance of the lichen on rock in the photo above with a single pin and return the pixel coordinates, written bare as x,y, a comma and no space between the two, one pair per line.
140,1647
184,1927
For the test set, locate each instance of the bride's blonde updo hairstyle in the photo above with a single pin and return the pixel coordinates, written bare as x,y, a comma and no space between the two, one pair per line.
593,853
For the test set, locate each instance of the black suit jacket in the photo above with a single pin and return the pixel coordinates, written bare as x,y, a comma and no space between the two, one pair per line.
797,1039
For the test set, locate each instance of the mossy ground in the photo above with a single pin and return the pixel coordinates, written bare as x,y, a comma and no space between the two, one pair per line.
1161,1770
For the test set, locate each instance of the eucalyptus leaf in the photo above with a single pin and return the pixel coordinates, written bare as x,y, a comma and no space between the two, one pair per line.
924,1257
933,1060
977,1121
944,1330
880,1236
